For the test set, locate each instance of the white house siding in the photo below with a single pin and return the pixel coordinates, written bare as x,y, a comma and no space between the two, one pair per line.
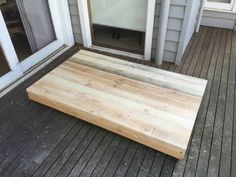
74,12
219,19
189,26
175,23
192,22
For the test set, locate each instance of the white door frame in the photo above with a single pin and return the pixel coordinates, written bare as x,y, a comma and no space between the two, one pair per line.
64,34
86,31
10,55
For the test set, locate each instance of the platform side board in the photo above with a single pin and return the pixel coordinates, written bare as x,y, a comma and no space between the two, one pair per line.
153,107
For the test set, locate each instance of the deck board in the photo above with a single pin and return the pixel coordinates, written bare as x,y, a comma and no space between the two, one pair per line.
30,116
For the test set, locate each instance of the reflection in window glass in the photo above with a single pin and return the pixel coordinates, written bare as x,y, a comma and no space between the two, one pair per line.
29,24
4,68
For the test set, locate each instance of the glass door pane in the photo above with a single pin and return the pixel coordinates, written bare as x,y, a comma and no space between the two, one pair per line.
29,24
4,68
119,24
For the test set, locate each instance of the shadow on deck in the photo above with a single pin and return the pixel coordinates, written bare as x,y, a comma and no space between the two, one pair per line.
38,141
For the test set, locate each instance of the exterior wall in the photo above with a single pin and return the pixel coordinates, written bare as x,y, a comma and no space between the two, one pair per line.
193,9
175,25
219,19
193,17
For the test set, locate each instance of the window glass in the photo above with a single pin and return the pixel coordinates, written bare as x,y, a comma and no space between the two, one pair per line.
4,68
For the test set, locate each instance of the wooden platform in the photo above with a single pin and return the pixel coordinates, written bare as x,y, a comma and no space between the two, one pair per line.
154,107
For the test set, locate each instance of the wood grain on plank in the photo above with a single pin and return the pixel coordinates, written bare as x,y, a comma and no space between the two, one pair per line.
156,110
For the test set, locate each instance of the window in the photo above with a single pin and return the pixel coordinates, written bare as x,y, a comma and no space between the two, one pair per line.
227,5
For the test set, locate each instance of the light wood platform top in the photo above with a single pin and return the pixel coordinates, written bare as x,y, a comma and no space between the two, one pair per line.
151,106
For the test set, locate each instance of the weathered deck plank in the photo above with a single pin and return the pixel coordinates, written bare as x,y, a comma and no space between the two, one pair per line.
211,111
192,158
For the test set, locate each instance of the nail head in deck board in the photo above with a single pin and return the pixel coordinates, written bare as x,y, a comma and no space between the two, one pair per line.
136,109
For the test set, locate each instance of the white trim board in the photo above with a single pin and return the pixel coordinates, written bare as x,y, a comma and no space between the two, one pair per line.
219,19
86,31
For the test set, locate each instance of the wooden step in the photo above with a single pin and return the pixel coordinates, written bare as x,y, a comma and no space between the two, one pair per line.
151,106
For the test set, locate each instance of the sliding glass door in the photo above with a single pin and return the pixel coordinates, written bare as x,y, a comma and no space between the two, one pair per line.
31,30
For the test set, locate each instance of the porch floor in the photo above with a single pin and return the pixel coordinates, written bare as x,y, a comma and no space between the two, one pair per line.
38,141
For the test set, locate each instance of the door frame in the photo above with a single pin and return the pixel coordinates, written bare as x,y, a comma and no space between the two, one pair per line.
10,55
86,29
63,29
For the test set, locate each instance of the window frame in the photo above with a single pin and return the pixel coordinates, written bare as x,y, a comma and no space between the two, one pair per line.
221,6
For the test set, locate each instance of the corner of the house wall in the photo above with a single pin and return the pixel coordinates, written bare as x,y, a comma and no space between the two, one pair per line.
178,59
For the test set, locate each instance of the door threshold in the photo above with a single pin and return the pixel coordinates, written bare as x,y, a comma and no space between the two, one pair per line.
34,69
117,52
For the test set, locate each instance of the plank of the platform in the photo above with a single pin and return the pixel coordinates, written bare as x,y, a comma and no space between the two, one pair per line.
186,84
154,96
135,113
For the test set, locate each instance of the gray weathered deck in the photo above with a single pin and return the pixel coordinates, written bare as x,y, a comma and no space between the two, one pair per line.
38,141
